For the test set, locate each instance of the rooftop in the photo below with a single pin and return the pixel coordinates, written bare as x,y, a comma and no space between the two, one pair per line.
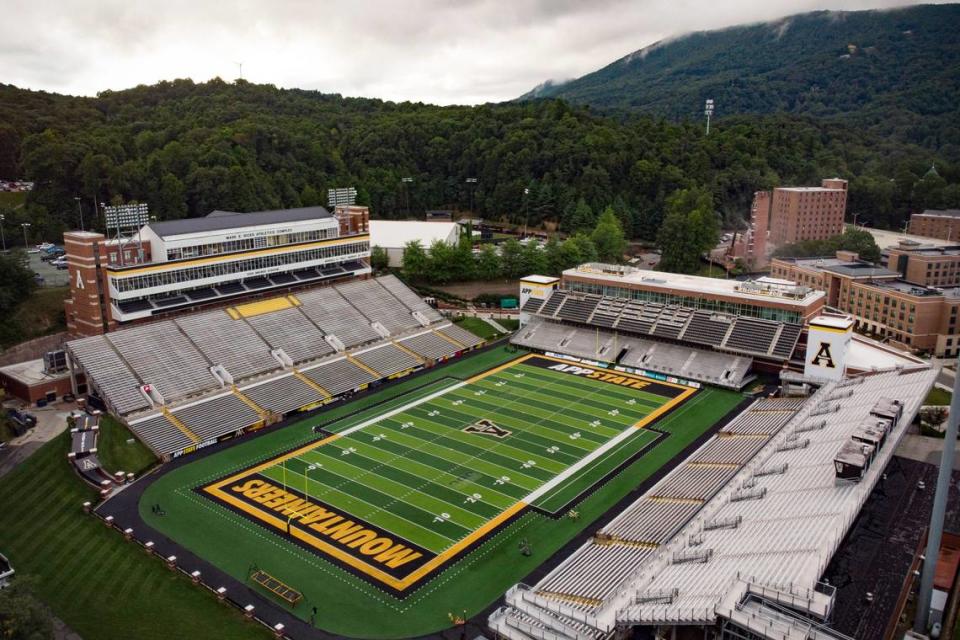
941,213
902,286
221,220
855,269
747,289
930,252
885,239
397,233
809,189
31,372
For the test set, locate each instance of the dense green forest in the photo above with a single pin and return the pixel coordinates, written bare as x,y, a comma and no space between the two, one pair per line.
892,72
187,148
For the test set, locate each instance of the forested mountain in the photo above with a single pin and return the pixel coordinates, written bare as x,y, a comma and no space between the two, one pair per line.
188,148
894,72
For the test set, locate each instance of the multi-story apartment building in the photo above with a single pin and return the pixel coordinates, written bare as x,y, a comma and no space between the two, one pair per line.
177,265
925,265
807,213
883,302
933,223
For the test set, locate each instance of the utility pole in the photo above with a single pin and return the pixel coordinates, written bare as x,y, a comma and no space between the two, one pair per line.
935,532
526,209
25,226
708,111
240,65
80,209
2,237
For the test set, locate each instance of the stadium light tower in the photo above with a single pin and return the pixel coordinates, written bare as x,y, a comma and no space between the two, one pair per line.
526,209
25,226
708,111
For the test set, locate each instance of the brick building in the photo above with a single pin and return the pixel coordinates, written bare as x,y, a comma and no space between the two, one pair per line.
909,314
932,223
807,213
179,265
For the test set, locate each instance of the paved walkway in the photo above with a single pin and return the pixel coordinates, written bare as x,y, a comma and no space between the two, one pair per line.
51,422
496,325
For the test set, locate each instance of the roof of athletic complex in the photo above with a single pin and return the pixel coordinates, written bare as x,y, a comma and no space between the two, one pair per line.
395,234
768,527
221,220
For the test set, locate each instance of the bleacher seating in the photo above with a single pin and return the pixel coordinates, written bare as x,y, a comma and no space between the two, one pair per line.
332,313
707,328
292,331
586,578
218,416
387,360
752,335
338,376
460,335
117,383
553,303
607,311
228,342
430,345
532,305
578,307
787,341
377,304
160,434
162,356
411,300
283,394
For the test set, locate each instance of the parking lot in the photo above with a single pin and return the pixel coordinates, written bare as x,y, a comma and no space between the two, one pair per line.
52,277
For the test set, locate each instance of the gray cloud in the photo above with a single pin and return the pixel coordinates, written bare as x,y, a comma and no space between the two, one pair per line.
441,51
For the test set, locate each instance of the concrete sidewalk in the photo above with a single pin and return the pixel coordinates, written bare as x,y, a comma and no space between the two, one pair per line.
51,422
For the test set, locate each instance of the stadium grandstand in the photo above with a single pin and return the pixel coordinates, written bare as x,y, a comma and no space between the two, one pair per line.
735,539
243,366
691,344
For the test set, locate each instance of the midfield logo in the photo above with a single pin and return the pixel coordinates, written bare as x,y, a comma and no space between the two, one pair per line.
485,427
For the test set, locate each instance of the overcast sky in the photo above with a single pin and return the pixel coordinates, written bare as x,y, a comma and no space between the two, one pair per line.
445,52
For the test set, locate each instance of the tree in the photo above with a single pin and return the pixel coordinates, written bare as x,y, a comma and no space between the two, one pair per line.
690,229
533,259
488,263
464,267
379,259
579,217
22,615
442,264
553,256
511,258
608,237
860,242
416,262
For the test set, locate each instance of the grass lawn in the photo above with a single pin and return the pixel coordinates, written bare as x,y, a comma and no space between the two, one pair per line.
117,453
40,314
103,587
938,396
477,327
351,606
510,323
12,199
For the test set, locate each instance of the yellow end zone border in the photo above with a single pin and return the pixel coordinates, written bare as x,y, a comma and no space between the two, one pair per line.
216,489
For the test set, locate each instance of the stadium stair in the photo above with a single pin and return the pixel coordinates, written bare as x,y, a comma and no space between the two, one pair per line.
175,421
410,353
250,403
457,344
376,374
313,385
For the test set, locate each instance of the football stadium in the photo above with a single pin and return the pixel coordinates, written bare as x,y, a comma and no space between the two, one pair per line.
345,460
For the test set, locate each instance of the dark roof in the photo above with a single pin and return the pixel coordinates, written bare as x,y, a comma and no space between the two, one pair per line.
219,220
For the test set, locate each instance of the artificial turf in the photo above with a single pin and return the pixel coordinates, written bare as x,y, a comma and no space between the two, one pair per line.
352,606
103,587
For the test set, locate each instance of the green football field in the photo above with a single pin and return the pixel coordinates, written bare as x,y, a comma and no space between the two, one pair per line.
381,508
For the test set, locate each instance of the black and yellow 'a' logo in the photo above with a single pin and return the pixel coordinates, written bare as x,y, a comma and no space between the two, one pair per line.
823,358
487,428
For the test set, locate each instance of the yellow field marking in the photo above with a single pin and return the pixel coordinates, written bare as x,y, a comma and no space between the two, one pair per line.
235,256
178,423
261,307
313,385
413,354
452,341
370,370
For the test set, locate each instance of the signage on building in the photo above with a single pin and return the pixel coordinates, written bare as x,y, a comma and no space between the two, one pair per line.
828,341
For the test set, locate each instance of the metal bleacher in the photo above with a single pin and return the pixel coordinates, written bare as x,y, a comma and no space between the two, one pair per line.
430,345
754,336
162,356
379,305
411,300
387,360
232,344
292,331
460,335
336,316
338,376
217,416
109,374
282,394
